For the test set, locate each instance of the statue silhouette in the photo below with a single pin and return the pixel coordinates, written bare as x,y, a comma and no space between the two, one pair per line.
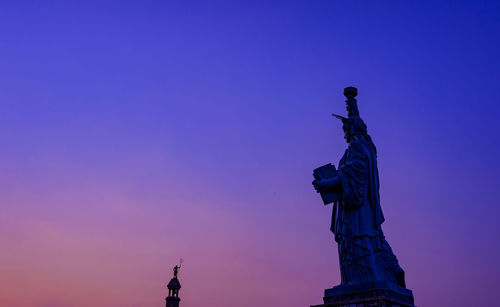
364,253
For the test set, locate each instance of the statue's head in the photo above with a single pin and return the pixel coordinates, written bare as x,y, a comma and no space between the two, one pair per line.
354,128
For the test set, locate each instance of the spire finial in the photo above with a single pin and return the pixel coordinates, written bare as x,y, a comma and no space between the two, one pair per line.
177,267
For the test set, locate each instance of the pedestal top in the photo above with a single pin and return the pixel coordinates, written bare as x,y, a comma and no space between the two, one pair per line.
377,293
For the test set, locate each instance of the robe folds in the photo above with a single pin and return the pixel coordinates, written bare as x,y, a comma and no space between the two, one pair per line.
364,253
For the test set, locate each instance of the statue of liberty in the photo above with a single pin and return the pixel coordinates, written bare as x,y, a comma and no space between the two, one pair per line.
364,253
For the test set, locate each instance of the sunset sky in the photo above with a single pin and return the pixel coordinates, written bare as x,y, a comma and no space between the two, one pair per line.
135,133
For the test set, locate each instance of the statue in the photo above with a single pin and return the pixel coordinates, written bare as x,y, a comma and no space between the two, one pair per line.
364,253
176,270
177,267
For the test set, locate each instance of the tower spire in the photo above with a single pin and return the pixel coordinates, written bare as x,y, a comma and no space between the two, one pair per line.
174,286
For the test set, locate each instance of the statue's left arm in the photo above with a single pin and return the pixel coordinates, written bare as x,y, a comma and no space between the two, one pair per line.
327,184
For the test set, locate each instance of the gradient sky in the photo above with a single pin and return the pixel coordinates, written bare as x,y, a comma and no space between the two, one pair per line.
135,133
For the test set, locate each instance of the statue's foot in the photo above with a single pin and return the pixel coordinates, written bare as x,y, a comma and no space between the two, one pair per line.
400,278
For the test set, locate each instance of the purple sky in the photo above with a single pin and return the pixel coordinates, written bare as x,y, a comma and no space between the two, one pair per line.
135,133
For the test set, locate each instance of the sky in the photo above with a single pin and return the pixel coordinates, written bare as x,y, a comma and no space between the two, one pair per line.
135,133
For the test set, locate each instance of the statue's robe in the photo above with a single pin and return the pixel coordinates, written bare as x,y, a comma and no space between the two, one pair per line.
364,253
